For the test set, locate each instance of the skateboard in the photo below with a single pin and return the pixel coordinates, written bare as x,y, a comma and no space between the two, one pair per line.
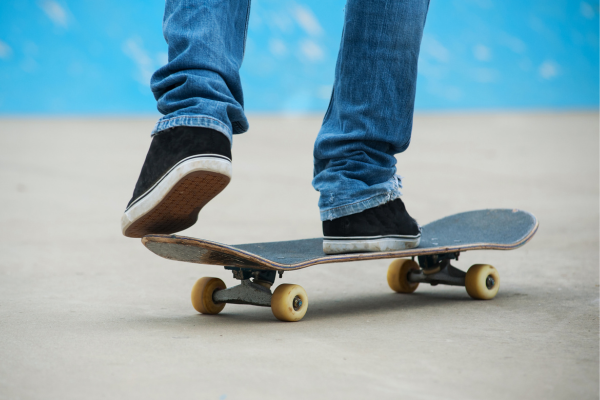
256,264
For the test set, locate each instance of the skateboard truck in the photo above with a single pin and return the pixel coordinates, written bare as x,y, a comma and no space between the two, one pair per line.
255,292
436,269
247,292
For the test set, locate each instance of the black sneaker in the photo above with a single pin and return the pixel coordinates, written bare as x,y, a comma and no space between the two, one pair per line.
387,227
184,169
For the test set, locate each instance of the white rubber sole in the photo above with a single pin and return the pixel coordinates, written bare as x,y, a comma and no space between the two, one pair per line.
369,244
198,177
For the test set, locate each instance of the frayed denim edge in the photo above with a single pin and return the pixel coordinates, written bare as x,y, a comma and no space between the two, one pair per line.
195,121
360,206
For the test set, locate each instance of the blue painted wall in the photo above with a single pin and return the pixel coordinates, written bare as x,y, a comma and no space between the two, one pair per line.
96,57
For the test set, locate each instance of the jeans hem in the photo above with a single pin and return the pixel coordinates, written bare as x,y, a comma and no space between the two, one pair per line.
199,121
360,206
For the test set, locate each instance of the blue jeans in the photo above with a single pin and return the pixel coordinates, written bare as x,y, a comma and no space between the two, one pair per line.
370,113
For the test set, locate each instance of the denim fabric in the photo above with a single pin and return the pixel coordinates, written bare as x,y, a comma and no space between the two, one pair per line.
371,110
200,86
370,114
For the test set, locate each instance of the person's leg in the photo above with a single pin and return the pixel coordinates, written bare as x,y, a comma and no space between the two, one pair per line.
200,86
369,119
200,94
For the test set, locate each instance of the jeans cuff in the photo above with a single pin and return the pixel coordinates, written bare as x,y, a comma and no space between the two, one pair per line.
199,121
360,206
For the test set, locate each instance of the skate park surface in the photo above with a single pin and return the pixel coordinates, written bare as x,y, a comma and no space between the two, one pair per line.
88,313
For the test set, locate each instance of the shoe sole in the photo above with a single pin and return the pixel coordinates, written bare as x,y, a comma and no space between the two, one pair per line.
173,203
369,244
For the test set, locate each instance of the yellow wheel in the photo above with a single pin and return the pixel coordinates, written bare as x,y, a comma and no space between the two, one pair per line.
202,293
397,275
482,281
289,302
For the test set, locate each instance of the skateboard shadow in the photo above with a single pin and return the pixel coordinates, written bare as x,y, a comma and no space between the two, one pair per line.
368,305
379,304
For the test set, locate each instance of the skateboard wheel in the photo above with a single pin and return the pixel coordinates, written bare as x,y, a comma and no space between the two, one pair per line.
397,275
289,302
202,295
482,281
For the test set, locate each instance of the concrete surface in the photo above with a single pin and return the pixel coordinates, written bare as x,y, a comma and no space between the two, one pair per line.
86,313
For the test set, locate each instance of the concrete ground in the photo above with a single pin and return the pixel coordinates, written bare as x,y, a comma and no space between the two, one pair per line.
86,313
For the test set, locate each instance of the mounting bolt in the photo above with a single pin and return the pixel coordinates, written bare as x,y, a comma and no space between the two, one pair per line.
280,274
238,274
297,303
490,282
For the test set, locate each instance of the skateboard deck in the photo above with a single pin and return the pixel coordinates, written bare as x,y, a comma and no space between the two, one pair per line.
492,229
